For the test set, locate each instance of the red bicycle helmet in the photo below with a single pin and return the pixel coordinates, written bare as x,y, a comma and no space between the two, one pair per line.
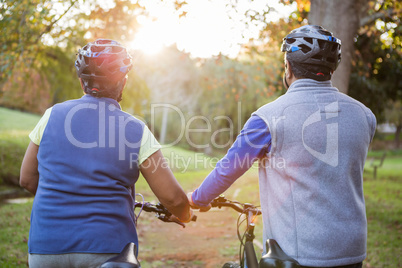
103,59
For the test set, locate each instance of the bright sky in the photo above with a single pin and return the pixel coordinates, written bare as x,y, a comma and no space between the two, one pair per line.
205,30
209,27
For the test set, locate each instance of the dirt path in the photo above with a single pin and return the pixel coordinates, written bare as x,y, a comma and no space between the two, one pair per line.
209,242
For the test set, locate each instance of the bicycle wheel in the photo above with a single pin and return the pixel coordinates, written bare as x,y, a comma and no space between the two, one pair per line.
231,265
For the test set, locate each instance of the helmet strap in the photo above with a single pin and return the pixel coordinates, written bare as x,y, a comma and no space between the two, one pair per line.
285,82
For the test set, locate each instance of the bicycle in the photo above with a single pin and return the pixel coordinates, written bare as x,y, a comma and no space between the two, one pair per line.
247,256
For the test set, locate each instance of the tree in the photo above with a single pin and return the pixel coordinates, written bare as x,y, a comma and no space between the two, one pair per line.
27,65
370,31
39,42
23,23
377,68
344,18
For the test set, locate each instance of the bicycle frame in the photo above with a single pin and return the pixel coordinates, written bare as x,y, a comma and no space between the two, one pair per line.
275,257
247,257
249,252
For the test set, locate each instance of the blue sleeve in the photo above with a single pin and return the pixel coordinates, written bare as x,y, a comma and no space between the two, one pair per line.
253,142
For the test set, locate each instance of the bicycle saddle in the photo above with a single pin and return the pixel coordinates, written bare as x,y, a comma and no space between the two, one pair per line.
126,259
276,257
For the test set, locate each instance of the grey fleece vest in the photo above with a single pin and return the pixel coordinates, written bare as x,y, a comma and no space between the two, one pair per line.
311,181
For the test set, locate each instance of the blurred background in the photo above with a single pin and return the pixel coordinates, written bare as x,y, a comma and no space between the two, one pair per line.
208,58
204,65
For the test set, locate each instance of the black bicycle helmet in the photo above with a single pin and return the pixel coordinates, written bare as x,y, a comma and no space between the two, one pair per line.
104,60
312,45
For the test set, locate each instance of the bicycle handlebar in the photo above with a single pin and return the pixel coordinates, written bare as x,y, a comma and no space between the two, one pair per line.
161,212
243,208
149,207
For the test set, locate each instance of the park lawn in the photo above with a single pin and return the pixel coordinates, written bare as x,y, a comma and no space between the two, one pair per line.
15,126
14,130
384,212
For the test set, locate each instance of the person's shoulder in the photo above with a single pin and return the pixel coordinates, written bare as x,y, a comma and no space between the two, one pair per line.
66,103
130,117
273,105
346,98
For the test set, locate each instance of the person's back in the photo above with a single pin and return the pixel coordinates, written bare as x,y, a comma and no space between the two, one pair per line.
86,172
311,181
83,160
311,144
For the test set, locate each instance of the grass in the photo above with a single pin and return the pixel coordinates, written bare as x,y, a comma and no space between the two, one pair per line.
384,212
14,130
383,200
14,226
15,126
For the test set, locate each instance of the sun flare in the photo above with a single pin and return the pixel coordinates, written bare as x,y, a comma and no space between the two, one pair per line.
205,30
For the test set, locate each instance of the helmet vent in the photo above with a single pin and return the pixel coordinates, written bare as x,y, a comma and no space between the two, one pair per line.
97,48
304,48
290,40
127,61
321,43
324,32
308,39
86,60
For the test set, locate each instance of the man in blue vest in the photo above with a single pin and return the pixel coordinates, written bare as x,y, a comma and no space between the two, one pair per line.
83,160
311,144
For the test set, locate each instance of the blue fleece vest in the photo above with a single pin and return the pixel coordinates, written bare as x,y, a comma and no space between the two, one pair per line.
87,162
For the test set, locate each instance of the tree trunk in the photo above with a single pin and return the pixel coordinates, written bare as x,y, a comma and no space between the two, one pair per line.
342,18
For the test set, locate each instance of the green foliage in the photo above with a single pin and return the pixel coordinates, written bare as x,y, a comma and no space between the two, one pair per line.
136,95
14,129
28,77
35,74
377,65
23,24
231,91
118,23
